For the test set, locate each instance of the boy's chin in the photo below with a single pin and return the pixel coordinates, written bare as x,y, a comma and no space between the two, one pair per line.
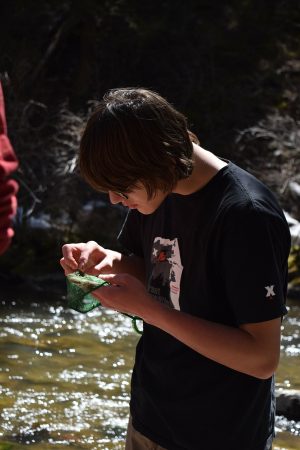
146,210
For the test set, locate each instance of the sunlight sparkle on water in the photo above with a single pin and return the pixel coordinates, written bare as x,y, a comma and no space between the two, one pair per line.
69,374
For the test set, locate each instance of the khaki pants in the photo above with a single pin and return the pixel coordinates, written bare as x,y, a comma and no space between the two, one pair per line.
137,441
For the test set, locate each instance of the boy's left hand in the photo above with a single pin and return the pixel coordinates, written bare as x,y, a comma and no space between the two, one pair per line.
125,294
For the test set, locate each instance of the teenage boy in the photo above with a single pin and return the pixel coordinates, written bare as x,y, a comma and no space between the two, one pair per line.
206,270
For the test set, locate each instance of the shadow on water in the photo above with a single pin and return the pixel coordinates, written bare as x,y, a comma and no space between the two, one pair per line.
65,376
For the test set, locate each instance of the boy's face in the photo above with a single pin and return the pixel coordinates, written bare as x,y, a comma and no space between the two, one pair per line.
137,198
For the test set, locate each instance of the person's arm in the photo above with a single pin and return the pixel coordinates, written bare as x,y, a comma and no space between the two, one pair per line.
252,349
8,186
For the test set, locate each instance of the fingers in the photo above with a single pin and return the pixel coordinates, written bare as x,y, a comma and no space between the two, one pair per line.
103,267
108,294
110,277
119,279
70,252
67,269
86,252
81,256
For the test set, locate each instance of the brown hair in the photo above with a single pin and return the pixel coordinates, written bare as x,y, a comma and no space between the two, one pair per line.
135,135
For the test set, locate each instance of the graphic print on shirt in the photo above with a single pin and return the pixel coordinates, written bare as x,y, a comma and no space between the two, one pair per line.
164,281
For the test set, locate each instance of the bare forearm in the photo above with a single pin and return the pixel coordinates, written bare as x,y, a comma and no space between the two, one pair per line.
232,347
133,265
120,263
253,348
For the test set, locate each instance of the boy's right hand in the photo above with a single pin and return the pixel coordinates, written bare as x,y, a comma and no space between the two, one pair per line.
88,257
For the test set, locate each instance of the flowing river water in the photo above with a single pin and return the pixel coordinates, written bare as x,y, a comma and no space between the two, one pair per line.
65,376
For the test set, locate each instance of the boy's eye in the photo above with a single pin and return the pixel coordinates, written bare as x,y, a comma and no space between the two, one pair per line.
122,195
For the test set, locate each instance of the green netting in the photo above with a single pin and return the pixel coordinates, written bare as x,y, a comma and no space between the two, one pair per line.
79,288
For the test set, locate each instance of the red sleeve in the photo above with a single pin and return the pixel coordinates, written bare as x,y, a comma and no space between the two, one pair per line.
8,187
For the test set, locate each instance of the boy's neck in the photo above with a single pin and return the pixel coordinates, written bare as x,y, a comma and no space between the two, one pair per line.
206,166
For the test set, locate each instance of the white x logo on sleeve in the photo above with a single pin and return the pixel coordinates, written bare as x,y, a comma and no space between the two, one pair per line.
270,290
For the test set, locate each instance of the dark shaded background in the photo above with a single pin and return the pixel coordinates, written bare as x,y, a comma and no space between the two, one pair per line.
232,67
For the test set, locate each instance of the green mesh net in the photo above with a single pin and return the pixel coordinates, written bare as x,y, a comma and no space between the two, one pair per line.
79,288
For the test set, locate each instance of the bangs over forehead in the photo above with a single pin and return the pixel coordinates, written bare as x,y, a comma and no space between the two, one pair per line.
106,156
134,135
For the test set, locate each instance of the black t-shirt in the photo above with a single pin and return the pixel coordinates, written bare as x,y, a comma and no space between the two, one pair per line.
220,254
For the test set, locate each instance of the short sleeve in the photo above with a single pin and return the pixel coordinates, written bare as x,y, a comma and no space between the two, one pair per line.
130,235
255,247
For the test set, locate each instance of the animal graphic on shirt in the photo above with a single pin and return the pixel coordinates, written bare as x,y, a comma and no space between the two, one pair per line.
164,281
